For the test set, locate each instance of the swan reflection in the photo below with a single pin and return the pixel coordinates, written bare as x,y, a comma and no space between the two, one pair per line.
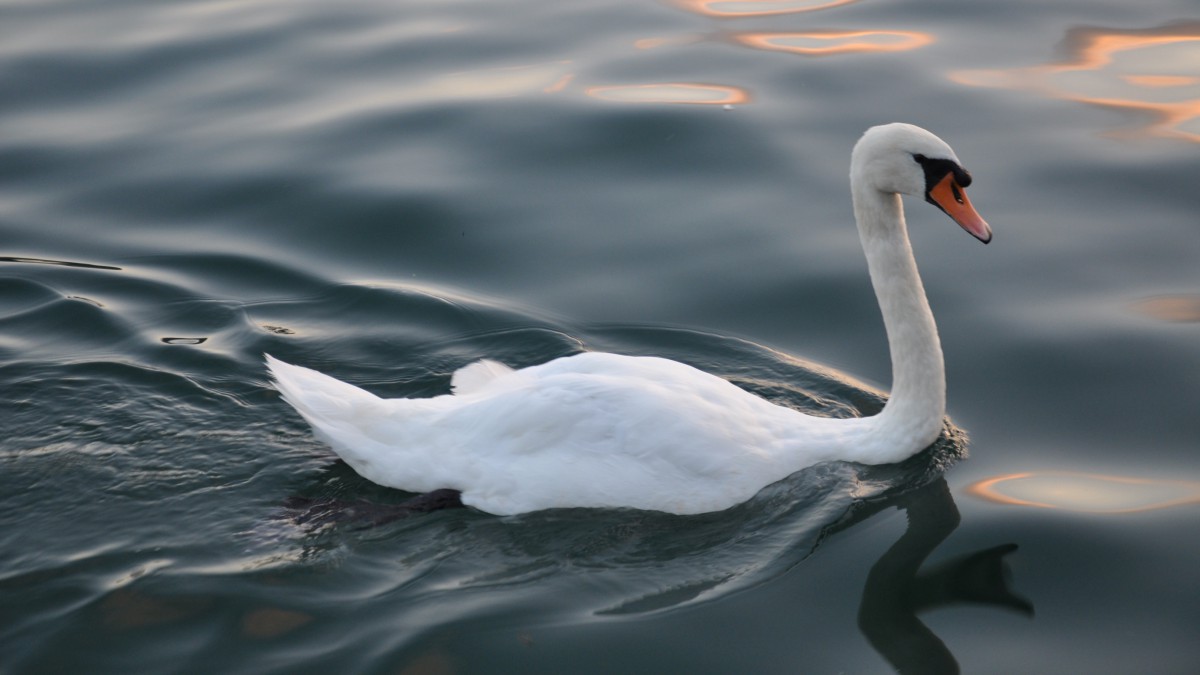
899,586
1150,74
897,590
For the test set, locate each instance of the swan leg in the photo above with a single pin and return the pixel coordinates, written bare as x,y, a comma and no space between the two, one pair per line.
435,501
306,511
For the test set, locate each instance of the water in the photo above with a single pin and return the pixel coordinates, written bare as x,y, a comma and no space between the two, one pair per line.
387,191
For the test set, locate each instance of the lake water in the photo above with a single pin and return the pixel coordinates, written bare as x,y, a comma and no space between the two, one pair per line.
389,190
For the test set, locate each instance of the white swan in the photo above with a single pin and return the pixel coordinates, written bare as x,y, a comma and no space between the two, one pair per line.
605,430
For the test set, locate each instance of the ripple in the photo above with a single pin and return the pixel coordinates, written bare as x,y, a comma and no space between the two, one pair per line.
1173,308
125,609
672,92
353,106
64,263
728,9
1088,493
271,622
836,43
184,340
1149,74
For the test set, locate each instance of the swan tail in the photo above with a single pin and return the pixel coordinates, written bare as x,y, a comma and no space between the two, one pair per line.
318,396
340,414
387,441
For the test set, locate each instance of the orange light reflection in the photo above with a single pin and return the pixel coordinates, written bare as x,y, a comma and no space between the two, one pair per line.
672,92
1173,308
1160,80
830,43
560,84
747,8
1090,493
673,41
1146,72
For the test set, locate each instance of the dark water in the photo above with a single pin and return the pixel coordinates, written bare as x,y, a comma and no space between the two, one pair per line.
387,191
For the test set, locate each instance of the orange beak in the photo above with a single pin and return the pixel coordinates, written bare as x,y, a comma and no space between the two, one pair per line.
951,198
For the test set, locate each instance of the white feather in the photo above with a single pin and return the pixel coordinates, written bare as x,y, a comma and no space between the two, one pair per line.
475,376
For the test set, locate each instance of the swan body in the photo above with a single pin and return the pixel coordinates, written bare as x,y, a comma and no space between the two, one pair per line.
606,430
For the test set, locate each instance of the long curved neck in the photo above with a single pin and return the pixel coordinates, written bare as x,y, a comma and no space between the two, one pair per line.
913,414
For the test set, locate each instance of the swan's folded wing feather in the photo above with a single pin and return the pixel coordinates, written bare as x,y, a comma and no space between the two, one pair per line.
475,376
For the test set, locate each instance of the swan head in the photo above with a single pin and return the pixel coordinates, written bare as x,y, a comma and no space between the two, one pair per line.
905,159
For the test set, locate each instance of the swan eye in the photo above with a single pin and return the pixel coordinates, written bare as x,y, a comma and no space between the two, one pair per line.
937,169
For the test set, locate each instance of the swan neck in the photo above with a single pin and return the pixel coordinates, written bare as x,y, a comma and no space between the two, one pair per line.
916,407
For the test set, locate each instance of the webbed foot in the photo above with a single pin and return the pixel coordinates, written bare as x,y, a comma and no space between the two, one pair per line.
317,512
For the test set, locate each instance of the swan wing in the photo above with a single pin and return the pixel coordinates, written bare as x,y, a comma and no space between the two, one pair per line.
475,376
591,430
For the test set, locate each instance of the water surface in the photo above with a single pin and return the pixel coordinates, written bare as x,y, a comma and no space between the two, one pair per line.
388,191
